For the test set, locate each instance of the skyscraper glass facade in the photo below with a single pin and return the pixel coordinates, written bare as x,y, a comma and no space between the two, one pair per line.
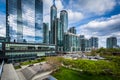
38,21
64,19
93,41
53,16
111,42
46,33
19,22
72,30
11,20
24,20
71,42
59,34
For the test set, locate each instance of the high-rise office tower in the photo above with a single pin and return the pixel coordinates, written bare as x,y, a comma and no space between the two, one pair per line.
72,30
46,33
59,35
82,42
24,20
71,42
38,21
49,37
64,19
93,42
14,28
111,42
19,22
87,45
53,16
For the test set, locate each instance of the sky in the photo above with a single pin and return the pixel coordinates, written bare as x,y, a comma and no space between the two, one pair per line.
98,18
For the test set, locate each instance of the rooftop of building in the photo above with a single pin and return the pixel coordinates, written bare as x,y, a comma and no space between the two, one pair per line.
2,37
72,34
63,11
29,43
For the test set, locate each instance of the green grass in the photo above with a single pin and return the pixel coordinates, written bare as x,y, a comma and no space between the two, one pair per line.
32,61
17,67
67,74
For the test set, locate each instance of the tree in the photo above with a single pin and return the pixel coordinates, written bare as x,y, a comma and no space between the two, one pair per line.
55,62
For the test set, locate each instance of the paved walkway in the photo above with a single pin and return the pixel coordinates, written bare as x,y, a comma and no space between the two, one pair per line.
9,73
41,76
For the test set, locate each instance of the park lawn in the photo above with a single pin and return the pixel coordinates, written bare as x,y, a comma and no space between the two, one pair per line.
67,74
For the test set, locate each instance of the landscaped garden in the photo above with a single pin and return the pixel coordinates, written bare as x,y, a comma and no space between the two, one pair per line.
87,69
30,62
68,74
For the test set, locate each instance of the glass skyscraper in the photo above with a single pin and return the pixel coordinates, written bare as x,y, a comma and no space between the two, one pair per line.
59,34
38,21
93,42
46,33
13,20
53,16
71,42
72,30
64,19
24,20
111,42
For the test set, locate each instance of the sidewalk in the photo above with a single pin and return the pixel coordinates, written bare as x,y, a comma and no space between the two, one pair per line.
41,75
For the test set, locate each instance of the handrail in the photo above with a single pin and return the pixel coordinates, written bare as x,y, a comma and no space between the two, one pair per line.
1,68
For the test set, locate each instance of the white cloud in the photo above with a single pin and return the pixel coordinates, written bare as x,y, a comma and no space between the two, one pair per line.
74,17
102,28
59,5
2,25
48,3
98,7
46,8
2,31
98,24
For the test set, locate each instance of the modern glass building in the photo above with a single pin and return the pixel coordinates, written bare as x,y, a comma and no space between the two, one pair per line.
87,47
19,22
84,44
72,30
59,35
71,42
13,20
38,21
49,37
24,21
53,16
17,52
64,19
111,42
93,42
46,33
